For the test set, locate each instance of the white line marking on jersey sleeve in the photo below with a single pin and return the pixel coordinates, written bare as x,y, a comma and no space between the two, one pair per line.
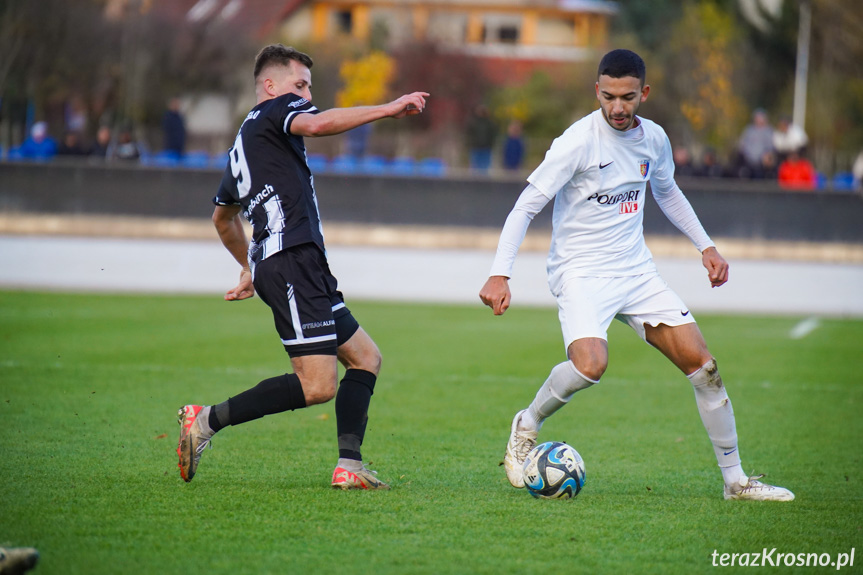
804,328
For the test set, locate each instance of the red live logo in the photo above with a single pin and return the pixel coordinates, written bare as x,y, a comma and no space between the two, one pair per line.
628,207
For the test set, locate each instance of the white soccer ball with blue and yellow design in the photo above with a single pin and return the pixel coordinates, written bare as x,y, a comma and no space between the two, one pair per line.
553,470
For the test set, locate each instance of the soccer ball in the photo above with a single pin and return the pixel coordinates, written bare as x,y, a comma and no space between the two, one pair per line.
553,470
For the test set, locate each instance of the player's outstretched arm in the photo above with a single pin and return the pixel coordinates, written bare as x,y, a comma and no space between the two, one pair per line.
229,226
717,267
338,120
496,294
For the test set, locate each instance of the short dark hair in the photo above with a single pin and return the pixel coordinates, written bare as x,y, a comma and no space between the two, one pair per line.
279,55
622,63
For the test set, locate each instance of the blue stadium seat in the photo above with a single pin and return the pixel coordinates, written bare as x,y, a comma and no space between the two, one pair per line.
374,165
219,160
15,155
402,165
344,164
843,182
432,167
820,181
318,163
163,159
196,159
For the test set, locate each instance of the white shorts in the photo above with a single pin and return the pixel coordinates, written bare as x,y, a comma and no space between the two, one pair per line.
586,305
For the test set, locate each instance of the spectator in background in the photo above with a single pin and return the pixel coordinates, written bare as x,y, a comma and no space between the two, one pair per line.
39,146
683,163
126,148
710,166
797,173
76,115
358,140
72,145
102,147
513,146
756,140
174,128
769,167
481,134
788,137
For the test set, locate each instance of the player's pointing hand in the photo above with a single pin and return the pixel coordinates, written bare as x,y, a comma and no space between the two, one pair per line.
409,105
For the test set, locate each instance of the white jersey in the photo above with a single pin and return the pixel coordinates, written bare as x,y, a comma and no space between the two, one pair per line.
598,178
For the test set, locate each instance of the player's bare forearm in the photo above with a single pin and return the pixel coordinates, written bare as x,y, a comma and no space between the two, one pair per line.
229,226
716,266
338,120
496,294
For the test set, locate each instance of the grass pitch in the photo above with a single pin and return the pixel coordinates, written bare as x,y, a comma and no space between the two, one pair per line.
89,387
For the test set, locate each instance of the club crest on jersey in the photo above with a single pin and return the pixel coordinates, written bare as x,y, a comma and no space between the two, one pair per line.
644,167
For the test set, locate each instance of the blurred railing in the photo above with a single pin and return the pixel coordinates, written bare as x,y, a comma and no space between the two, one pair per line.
432,196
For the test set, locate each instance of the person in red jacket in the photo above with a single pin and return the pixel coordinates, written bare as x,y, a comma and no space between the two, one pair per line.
797,173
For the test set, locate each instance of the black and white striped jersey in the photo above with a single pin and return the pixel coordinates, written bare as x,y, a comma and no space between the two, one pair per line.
269,177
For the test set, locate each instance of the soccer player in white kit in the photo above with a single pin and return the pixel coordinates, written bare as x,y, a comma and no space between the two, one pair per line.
599,267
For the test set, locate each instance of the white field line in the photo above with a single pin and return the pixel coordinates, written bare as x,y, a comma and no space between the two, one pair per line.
804,328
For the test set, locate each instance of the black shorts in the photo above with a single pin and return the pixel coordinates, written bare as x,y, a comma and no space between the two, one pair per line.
309,311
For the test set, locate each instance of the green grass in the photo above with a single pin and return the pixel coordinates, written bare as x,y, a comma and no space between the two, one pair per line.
89,386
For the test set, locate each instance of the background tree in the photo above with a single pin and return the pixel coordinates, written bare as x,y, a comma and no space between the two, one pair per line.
366,80
758,61
121,64
545,105
835,97
702,50
457,84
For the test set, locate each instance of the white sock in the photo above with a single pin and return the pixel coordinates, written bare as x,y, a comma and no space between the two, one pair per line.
562,383
717,415
204,421
351,465
734,474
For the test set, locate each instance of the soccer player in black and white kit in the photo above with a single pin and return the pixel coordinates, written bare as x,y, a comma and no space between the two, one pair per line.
599,267
268,182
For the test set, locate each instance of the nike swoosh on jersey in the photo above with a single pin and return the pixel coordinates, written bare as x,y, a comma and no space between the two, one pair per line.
602,166
684,313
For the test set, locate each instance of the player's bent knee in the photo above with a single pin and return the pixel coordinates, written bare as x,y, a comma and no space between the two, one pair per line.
589,356
319,391
591,370
373,361
361,352
368,360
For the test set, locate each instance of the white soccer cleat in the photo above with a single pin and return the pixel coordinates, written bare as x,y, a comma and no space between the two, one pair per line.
519,445
753,490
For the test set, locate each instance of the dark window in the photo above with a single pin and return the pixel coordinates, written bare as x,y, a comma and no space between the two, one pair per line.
508,34
344,21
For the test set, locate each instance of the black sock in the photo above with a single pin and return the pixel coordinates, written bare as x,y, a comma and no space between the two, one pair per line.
273,395
219,413
352,411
